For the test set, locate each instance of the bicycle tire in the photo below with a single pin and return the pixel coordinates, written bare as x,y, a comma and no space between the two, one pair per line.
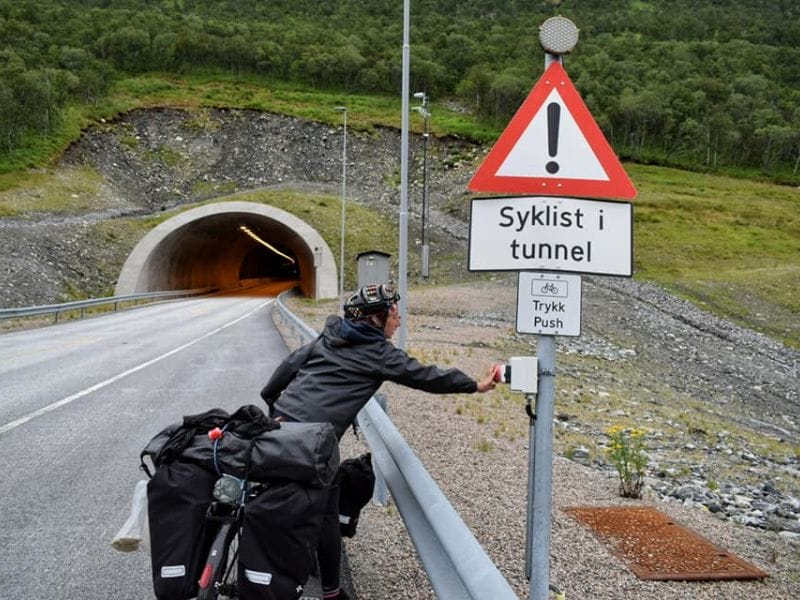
228,581
218,578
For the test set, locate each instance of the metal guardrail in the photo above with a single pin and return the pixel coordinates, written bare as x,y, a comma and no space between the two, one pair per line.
457,565
82,305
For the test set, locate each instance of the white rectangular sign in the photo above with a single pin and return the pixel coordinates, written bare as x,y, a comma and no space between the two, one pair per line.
549,304
539,233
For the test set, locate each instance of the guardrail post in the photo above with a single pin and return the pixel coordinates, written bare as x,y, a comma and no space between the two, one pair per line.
380,493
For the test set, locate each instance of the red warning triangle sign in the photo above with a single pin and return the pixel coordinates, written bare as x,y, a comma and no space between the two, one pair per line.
553,147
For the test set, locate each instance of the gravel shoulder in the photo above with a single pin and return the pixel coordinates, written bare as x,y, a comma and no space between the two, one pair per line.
644,358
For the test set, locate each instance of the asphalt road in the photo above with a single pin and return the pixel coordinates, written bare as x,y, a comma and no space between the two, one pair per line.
78,402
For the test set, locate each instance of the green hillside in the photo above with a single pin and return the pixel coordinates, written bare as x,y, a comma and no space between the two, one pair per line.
710,85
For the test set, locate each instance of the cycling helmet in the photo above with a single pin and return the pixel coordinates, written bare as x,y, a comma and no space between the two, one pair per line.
370,300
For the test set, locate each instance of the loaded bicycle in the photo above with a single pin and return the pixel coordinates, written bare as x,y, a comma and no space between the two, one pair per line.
235,505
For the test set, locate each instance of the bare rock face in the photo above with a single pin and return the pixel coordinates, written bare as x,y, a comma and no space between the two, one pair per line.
162,158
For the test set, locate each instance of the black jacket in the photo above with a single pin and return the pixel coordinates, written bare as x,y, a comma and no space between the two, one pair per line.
333,377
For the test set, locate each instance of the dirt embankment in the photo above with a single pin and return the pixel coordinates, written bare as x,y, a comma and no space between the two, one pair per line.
151,161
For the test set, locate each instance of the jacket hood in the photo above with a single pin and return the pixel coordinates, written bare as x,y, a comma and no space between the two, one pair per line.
341,332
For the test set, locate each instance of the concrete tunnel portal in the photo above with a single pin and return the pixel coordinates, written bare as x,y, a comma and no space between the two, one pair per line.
228,245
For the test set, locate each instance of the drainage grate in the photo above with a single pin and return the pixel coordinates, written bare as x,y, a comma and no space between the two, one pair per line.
655,547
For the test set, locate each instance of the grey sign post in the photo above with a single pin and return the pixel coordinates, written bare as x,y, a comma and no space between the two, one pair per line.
558,40
548,304
552,147
540,471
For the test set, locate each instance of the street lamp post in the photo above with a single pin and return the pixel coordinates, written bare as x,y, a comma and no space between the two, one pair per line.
343,110
423,110
402,242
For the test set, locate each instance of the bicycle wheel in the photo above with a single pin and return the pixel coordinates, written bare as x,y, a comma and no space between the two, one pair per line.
218,578
228,580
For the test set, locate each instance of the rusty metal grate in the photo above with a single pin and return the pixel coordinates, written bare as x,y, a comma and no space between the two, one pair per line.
655,547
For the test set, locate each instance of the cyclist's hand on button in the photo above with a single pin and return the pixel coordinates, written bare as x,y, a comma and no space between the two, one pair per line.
488,382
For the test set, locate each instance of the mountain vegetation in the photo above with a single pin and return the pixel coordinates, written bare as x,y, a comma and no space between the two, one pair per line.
709,85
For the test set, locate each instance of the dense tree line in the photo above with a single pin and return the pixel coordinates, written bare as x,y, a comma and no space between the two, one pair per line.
706,83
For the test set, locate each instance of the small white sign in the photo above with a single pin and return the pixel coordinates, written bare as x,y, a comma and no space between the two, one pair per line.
542,233
549,304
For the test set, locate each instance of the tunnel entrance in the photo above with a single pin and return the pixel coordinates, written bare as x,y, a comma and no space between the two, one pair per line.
230,245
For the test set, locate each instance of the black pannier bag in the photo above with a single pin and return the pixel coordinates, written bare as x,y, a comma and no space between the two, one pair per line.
178,497
277,549
356,482
305,452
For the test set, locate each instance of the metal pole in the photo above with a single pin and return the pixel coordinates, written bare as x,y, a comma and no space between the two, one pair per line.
344,203
317,264
344,199
543,473
403,242
425,136
531,409
541,459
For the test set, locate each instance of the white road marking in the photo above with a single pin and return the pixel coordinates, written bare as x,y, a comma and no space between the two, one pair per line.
64,401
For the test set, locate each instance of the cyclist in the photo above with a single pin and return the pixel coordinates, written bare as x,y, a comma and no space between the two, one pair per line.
333,377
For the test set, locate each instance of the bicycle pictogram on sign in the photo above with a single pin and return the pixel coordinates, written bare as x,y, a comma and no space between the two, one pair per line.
550,288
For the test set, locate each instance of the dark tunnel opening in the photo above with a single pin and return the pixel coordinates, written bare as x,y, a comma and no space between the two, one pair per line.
262,263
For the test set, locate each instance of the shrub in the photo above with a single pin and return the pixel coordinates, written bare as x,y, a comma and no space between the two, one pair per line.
627,452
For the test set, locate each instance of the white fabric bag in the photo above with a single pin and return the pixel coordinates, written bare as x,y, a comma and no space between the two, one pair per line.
135,533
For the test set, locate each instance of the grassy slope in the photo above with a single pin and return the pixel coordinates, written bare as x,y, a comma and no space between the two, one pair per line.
731,245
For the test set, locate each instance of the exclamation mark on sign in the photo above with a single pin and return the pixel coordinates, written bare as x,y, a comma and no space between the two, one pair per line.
553,118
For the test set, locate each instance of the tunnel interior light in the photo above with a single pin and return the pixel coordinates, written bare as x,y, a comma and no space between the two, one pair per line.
247,231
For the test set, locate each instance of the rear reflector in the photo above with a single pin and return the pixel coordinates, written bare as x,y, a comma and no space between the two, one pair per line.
205,578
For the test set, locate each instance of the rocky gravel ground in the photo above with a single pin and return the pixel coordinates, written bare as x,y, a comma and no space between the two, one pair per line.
719,404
